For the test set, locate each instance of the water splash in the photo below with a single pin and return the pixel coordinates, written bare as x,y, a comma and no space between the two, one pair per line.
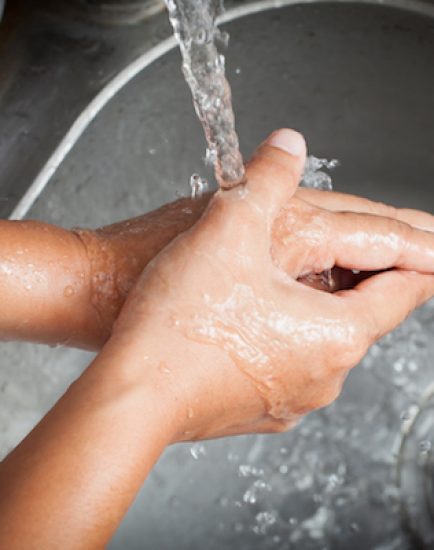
197,450
314,175
194,25
198,186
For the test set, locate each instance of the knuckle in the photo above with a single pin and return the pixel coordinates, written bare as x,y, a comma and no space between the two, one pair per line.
310,226
350,342
281,426
326,395
402,234
386,210
353,352
366,328
404,230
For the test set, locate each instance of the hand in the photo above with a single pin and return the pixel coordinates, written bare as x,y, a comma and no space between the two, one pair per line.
118,253
217,338
67,287
220,319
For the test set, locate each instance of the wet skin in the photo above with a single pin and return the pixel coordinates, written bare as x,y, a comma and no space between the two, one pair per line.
68,287
217,337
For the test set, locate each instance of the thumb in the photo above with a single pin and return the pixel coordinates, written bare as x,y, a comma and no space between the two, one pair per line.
275,169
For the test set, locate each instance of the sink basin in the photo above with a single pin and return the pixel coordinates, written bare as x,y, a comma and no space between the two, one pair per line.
356,78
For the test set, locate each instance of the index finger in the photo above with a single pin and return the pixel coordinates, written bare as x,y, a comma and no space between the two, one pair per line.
339,202
370,243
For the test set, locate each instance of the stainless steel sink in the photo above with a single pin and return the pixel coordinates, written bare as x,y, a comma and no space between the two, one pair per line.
357,78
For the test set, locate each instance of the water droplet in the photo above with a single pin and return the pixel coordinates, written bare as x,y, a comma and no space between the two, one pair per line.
198,186
152,151
304,482
424,446
264,520
305,431
238,70
202,37
245,470
399,365
242,191
405,415
283,469
412,366
223,38
197,450
332,482
314,177
219,64
252,493
190,412
249,497
68,292
211,156
164,368
233,457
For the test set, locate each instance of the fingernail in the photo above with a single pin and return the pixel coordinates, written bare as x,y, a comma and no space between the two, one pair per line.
289,141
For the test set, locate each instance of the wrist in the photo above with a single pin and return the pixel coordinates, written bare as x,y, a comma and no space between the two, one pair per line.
117,254
126,373
190,379
104,294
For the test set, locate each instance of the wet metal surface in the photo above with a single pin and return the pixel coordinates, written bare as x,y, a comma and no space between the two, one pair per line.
357,80
54,60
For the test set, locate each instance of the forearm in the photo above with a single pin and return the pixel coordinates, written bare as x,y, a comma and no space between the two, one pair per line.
69,483
67,287
118,253
45,285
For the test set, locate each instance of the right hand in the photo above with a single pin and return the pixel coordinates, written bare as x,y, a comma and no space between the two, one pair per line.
220,319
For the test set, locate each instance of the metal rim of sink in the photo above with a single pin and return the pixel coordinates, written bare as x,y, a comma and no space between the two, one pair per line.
415,471
133,69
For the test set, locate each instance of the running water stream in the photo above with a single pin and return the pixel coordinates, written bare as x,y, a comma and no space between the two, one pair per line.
195,28
272,475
